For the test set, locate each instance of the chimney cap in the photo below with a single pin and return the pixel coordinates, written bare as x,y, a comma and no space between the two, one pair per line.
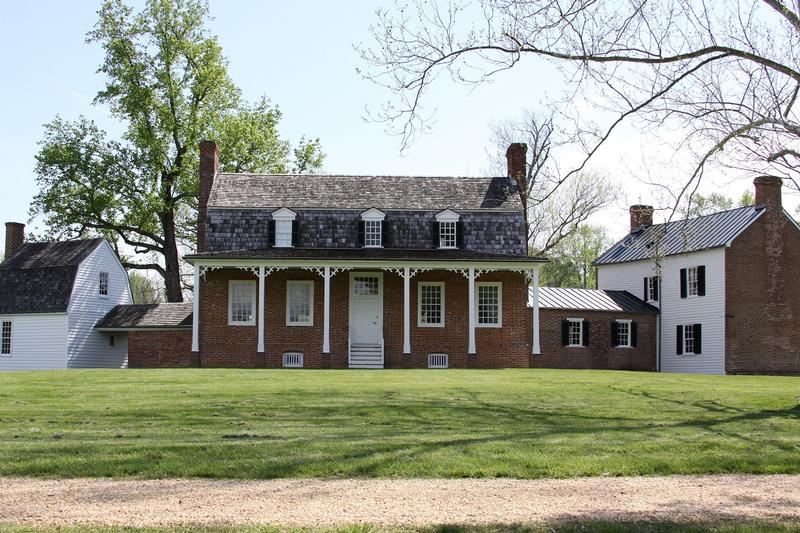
768,180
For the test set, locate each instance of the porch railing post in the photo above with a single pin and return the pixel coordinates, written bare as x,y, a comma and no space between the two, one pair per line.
406,310
196,310
535,347
261,309
326,311
471,313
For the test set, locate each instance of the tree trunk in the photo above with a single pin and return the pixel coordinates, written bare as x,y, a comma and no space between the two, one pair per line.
172,267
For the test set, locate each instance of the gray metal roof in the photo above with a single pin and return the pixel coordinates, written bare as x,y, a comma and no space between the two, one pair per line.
297,191
591,300
682,236
148,316
38,278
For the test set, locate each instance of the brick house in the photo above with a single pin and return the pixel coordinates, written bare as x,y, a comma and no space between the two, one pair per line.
361,271
726,285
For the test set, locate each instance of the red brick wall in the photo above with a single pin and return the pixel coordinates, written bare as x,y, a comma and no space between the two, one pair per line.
223,345
599,354
762,292
150,349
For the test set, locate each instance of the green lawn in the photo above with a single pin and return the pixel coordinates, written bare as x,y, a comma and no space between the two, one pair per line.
417,423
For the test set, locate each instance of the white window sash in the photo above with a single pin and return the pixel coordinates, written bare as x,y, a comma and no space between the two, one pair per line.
373,233
499,322
447,234
420,289
628,336
6,338
309,285
283,233
103,284
572,322
251,290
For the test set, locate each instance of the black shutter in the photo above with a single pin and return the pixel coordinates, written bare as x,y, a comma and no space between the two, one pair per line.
646,290
679,340
634,332
701,280
385,234
361,233
564,332
435,233
459,234
698,339
657,288
615,333
271,232
295,233
586,339
683,283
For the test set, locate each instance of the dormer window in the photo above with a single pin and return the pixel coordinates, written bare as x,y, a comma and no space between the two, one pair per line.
446,230
285,228
372,231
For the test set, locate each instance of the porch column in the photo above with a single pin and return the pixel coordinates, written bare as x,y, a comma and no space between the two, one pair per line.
326,312
406,310
471,349
196,310
535,348
261,309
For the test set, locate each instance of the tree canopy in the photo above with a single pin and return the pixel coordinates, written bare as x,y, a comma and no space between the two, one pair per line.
167,81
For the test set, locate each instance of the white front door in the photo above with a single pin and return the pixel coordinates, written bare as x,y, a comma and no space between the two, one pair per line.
366,308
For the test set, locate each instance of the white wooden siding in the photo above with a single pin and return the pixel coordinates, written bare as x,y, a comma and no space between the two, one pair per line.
37,341
708,310
88,348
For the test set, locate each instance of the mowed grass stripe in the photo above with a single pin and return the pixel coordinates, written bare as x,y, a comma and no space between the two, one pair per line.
523,423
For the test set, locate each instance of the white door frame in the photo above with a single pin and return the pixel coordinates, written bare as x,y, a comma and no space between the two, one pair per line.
351,299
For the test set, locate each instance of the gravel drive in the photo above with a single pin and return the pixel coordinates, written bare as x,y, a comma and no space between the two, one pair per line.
313,502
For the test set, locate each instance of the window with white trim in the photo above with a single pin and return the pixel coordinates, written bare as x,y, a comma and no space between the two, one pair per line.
102,284
688,339
300,303
283,233
624,334
430,307
242,303
574,332
652,289
5,337
447,235
489,303
373,230
692,281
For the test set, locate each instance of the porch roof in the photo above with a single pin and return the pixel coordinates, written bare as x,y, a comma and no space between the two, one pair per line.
365,254
147,316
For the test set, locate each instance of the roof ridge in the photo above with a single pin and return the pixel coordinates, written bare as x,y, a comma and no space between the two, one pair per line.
410,176
758,206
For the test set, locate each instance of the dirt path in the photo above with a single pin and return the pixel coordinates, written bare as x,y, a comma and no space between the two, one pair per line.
397,501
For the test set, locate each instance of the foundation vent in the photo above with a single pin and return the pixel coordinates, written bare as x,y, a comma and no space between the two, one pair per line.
292,360
437,360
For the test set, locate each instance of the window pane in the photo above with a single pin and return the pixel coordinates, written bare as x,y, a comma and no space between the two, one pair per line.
103,285
623,333
488,304
447,234
372,233
365,286
5,343
430,302
688,339
299,303
242,302
691,274
575,330
283,233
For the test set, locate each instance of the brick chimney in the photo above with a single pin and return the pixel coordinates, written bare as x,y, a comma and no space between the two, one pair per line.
768,192
515,160
641,216
15,237
209,166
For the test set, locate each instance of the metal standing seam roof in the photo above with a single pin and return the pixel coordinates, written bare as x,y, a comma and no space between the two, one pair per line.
682,236
39,277
590,300
148,316
314,191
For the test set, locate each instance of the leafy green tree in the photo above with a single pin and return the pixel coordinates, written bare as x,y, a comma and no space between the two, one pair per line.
572,257
144,289
166,79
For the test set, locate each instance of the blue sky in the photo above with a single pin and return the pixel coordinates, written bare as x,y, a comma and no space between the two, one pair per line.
301,55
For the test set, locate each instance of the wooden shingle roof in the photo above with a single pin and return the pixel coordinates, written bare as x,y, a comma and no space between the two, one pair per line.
39,277
148,316
314,191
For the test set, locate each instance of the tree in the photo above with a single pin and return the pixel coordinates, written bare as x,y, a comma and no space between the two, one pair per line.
706,205
571,260
166,80
724,73
144,289
553,206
